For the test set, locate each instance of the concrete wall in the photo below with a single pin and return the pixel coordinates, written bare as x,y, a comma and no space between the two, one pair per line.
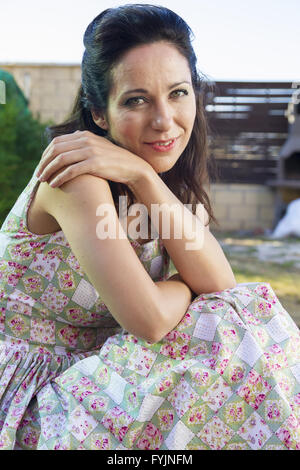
51,90
243,206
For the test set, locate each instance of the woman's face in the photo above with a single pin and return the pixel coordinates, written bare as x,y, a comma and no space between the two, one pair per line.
151,107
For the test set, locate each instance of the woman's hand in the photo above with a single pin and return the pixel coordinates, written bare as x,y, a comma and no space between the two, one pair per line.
84,152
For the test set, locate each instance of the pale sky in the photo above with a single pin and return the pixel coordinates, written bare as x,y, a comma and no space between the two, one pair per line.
234,39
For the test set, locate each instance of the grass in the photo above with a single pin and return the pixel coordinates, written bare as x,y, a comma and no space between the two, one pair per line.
286,284
284,278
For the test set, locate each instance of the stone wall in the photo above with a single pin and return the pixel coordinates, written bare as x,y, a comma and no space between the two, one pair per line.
243,206
51,90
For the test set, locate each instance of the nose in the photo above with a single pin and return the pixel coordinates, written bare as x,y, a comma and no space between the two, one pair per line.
161,118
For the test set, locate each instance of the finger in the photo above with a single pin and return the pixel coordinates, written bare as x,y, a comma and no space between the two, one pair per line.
55,151
69,173
60,139
62,160
46,155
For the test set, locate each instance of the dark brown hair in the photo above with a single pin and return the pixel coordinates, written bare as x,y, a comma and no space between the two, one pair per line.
107,38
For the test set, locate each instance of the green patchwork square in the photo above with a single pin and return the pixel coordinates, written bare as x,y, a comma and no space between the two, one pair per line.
234,412
100,439
197,416
17,325
66,279
196,444
237,443
274,410
33,284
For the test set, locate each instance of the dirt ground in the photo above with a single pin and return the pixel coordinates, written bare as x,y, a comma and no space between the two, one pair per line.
258,258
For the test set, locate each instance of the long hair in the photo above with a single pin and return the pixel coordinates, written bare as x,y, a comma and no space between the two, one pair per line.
107,38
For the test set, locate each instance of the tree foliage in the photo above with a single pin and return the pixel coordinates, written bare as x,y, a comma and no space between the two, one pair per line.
22,141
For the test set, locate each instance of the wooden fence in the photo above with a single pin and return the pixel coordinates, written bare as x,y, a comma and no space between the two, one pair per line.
248,127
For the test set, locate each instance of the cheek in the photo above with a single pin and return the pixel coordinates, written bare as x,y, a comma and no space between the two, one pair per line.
189,114
126,129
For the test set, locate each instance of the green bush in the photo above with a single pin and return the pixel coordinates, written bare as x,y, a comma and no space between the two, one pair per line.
22,141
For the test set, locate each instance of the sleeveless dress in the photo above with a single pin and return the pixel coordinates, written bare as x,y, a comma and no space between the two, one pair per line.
227,377
50,316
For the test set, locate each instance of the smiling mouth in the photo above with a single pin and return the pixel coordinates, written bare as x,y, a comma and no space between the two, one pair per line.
163,143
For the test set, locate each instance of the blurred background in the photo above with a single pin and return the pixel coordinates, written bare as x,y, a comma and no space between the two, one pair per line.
248,53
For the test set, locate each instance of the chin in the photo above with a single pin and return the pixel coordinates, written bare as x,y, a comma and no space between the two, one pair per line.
162,168
162,164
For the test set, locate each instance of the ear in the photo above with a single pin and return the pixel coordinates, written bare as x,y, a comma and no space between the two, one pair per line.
100,119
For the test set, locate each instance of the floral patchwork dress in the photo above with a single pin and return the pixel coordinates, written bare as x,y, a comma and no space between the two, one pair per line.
227,377
50,317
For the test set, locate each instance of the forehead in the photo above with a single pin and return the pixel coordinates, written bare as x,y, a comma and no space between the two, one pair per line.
145,65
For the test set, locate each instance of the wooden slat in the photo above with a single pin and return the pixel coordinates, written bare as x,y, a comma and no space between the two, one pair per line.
251,141
254,107
240,157
284,183
248,163
272,95
224,86
245,171
231,127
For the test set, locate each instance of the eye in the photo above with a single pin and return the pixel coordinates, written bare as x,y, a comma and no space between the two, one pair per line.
180,92
134,101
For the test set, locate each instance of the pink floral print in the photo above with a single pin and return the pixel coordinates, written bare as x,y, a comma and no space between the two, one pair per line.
225,378
117,421
151,438
255,389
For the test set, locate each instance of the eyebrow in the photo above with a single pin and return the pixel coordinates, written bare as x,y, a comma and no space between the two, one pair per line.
142,90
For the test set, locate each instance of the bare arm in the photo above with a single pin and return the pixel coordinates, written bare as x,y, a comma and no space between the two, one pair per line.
204,269
147,309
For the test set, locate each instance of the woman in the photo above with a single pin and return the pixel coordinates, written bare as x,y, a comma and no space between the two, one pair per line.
103,344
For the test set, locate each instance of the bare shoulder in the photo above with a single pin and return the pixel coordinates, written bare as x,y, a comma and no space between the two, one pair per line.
50,205
78,183
82,189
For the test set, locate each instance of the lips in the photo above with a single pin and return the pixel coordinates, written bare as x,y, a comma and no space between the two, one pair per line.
161,142
162,145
